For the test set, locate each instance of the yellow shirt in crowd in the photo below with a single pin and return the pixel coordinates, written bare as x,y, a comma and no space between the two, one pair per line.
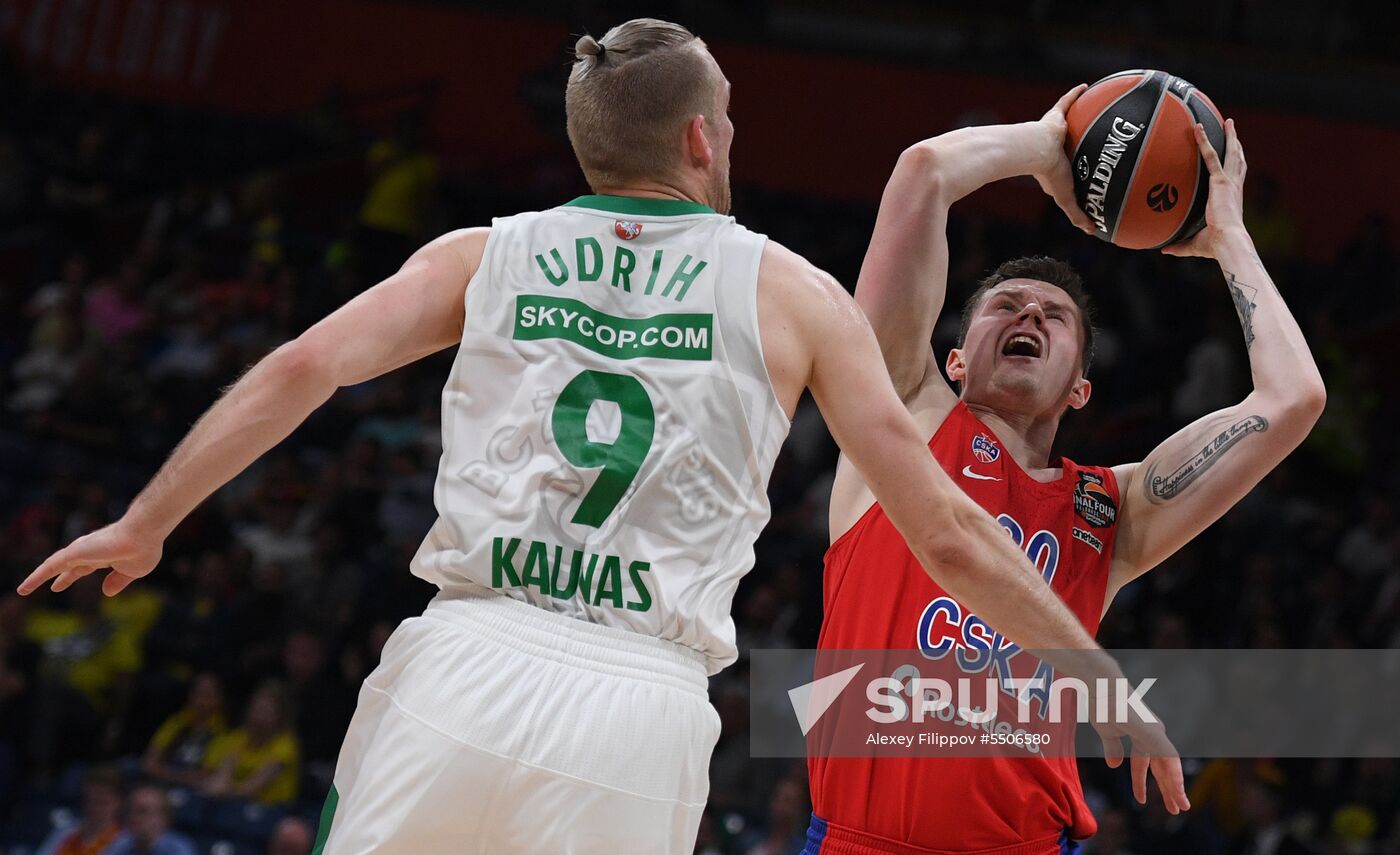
282,749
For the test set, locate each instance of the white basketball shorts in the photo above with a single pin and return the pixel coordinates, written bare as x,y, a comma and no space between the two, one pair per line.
495,727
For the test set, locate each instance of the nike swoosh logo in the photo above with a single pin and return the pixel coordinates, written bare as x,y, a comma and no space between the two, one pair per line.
967,470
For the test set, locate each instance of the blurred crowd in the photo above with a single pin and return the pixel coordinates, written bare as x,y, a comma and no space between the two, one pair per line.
148,255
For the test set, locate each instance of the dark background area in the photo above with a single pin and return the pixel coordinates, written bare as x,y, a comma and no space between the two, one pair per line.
185,184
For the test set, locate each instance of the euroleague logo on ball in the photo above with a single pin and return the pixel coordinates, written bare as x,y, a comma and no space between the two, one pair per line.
1162,197
984,448
628,230
1082,167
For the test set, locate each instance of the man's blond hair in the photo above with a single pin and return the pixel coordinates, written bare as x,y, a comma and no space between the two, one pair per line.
630,96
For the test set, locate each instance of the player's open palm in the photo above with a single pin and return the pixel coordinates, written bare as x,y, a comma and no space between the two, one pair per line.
127,553
1225,204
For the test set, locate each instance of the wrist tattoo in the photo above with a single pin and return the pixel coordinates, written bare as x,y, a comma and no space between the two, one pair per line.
1163,488
1243,297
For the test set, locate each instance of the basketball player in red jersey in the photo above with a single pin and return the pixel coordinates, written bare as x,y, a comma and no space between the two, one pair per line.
1020,364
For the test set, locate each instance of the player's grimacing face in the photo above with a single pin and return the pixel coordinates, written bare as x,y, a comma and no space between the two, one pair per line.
1023,346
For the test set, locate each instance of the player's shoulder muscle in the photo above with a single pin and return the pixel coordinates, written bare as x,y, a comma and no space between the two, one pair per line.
436,277
796,300
801,295
465,246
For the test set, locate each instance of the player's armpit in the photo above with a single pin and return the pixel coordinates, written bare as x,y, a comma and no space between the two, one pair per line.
1197,474
417,311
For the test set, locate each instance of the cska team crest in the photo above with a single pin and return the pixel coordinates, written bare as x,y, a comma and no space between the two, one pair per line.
985,449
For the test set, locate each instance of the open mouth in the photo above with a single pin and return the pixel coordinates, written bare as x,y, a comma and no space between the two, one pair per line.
1021,345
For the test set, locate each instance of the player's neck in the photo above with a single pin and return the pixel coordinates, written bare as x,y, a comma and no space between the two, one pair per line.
1027,437
678,190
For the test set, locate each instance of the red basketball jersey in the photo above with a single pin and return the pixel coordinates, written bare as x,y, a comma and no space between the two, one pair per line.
878,597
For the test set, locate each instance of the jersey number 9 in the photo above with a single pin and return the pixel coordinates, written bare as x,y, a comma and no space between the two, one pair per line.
620,459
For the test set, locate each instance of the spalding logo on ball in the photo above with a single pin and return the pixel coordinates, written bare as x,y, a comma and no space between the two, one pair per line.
1137,171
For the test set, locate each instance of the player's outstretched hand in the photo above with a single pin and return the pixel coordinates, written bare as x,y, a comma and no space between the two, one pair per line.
1225,204
119,548
1054,176
1152,751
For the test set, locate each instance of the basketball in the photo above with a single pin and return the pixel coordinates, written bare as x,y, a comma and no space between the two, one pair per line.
1137,171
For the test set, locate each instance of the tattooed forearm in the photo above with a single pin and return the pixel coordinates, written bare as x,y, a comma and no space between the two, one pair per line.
1243,295
1163,488
1254,257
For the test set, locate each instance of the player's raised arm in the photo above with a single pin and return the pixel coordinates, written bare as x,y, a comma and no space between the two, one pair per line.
413,313
824,342
814,336
957,542
1190,480
904,279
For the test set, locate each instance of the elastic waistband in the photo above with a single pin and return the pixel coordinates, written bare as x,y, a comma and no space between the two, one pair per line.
560,638
826,838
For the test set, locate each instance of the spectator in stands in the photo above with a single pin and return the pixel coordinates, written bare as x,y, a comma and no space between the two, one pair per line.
86,671
193,632
178,751
94,411
1266,828
292,836
260,760
99,822
116,308
323,704
1216,792
44,372
59,304
148,817
394,216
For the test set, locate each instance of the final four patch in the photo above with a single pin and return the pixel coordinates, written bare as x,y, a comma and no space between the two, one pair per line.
1093,502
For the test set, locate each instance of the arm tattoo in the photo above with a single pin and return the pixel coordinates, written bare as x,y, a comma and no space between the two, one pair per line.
1244,305
1162,488
1273,286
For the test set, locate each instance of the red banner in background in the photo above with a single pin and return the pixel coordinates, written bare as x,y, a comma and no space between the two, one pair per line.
808,123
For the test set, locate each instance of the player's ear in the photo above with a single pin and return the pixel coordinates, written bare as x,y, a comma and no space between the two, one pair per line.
955,366
1079,393
698,151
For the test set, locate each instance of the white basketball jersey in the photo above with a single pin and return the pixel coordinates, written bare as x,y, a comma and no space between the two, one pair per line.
609,426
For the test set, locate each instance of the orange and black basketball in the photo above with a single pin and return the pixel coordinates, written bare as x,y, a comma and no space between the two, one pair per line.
1137,171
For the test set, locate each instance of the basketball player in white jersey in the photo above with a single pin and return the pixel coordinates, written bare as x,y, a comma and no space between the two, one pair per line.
628,364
